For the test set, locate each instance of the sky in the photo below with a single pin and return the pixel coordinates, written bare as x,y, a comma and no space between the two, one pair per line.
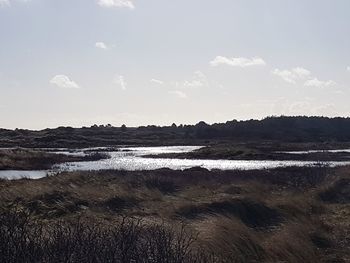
140,62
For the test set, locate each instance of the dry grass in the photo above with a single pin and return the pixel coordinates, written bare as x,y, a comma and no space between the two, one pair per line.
247,216
228,240
28,159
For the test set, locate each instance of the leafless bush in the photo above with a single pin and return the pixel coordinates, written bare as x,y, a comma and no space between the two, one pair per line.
23,239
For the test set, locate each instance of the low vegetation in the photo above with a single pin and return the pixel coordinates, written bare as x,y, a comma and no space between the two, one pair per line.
196,215
29,159
267,151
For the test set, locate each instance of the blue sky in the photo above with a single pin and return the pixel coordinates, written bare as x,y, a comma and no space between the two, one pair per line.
80,62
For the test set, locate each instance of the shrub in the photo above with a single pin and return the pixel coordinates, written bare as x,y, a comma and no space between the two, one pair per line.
23,240
163,184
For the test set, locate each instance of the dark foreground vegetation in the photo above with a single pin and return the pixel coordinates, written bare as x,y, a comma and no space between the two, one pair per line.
278,129
282,215
28,159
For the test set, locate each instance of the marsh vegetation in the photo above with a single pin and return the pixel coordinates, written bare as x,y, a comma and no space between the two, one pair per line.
196,215
31,159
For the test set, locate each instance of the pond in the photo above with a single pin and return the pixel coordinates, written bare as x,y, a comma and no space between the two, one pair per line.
132,159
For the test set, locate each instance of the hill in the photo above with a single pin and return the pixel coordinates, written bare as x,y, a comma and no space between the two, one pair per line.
278,129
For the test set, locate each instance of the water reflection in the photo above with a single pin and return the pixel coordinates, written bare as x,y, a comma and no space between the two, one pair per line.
132,159
15,175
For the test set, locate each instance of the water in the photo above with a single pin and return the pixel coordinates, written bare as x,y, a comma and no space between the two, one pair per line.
15,175
132,159
318,151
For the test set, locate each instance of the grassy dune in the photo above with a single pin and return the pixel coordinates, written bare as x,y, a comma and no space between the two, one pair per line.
281,215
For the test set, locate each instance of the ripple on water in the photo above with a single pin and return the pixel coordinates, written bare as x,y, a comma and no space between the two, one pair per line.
131,159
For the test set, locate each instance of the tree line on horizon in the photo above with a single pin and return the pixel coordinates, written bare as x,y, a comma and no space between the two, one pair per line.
283,128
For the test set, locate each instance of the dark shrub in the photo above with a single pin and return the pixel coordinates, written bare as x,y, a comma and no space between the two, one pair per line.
339,192
164,185
118,204
250,213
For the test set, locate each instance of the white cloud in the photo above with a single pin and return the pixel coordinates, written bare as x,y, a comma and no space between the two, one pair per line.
286,75
116,3
348,68
301,72
199,80
101,45
119,80
238,62
291,76
157,81
63,81
179,94
180,89
319,83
